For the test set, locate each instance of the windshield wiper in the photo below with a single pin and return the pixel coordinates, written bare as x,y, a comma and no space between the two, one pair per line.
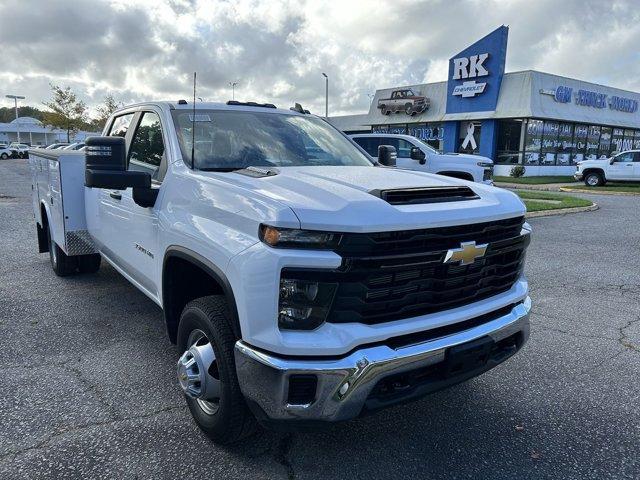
220,169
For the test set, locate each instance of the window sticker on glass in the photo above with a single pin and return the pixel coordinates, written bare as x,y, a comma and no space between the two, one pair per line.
200,117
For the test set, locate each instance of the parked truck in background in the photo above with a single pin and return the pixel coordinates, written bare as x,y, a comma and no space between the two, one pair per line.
302,282
621,167
413,154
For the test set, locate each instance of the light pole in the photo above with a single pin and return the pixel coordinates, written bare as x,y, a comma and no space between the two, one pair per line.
15,99
233,89
326,95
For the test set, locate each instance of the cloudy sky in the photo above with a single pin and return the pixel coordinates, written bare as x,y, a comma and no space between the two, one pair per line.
277,51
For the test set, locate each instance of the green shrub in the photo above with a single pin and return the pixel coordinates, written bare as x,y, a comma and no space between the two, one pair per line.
517,171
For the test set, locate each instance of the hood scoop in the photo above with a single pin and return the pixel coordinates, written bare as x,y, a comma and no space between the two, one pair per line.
257,172
414,196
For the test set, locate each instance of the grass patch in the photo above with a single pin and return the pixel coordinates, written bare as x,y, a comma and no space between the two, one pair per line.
609,187
536,180
538,201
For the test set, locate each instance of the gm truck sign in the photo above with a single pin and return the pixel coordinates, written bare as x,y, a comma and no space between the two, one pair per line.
475,74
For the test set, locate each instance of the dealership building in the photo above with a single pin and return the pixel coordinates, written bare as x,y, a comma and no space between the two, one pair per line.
542,121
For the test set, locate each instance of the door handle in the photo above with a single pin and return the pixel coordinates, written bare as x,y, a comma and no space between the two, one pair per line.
116,195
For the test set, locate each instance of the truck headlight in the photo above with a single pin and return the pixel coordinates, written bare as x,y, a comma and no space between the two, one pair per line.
485,164
304,304
295,238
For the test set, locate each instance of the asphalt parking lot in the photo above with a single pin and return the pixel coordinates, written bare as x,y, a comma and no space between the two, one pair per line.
88,387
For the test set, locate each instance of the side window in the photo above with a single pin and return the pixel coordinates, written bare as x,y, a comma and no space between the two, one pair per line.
636,156
624,157
120,125
404,148
147,146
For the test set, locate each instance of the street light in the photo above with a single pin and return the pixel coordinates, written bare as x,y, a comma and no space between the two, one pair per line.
326,95
233,89
15,99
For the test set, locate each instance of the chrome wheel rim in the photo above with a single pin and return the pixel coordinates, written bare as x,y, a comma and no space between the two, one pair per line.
197,373
592,180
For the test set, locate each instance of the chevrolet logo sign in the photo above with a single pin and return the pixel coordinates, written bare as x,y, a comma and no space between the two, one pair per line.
466,254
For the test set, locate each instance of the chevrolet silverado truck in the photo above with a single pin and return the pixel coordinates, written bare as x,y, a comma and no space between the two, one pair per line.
302,282
622,167
404,100
413,154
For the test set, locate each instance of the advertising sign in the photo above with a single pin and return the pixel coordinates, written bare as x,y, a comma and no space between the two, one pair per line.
475,74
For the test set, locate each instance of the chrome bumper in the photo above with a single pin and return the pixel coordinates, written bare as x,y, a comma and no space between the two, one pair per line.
344,384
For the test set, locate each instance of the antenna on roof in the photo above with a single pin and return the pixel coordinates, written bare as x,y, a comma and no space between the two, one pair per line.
193,123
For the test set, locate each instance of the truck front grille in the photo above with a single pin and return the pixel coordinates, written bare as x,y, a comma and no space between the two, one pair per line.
395,275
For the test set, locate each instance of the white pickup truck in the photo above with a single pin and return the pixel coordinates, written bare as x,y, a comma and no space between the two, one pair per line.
622,167
414,154
302,282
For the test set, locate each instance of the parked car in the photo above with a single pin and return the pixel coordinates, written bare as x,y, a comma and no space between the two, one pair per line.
6,152
55,146
622,167
403,100
20,150
414,154
301,281
74,146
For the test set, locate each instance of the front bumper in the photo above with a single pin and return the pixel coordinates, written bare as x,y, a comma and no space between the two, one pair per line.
347,386
578,176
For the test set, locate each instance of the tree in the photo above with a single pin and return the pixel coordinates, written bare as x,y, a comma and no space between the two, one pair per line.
104,112
67,112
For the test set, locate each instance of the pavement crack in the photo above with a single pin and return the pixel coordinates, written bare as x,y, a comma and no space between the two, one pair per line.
624,338
79,428
281,455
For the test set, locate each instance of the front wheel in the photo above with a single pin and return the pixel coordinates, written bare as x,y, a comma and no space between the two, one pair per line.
207,373
593,179
4,156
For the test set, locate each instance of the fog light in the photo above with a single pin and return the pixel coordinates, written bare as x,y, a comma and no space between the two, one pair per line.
304,304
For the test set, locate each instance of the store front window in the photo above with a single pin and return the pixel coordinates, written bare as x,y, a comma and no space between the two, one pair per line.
548,142
509,141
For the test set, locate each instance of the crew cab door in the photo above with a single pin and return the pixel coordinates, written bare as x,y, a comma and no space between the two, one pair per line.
130,236
621,167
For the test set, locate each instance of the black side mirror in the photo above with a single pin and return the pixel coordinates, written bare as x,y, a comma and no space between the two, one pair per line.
106,167
387,155
417,154
612,161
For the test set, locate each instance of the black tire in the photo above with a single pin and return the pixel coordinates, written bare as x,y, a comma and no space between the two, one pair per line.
89,263
232,421
594,179
62,264
408,109
4,156
384,110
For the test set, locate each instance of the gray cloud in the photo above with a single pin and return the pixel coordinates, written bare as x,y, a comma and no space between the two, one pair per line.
148,49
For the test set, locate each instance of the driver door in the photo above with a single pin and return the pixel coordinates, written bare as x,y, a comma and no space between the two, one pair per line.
622,167
132,231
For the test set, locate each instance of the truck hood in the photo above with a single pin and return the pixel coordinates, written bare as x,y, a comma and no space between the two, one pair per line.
467,157
339,198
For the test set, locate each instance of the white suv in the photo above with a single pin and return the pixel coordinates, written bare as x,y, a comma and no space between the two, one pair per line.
622,167
414,154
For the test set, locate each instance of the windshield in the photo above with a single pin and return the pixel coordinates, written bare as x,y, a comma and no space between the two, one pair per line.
428,147
229,140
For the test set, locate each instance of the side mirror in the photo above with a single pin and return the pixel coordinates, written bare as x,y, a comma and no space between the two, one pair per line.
106,165
417,154
612,161
387,155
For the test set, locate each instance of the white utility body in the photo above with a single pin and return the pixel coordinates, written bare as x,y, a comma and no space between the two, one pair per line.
414,154
621,167
302,281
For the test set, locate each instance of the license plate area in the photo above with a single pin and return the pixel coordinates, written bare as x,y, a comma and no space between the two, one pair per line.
468,356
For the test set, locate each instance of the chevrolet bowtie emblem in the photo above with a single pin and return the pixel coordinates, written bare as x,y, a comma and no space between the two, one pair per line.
466,254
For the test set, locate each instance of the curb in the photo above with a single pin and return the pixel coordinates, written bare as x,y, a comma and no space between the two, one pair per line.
562,211
544,187
599,192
